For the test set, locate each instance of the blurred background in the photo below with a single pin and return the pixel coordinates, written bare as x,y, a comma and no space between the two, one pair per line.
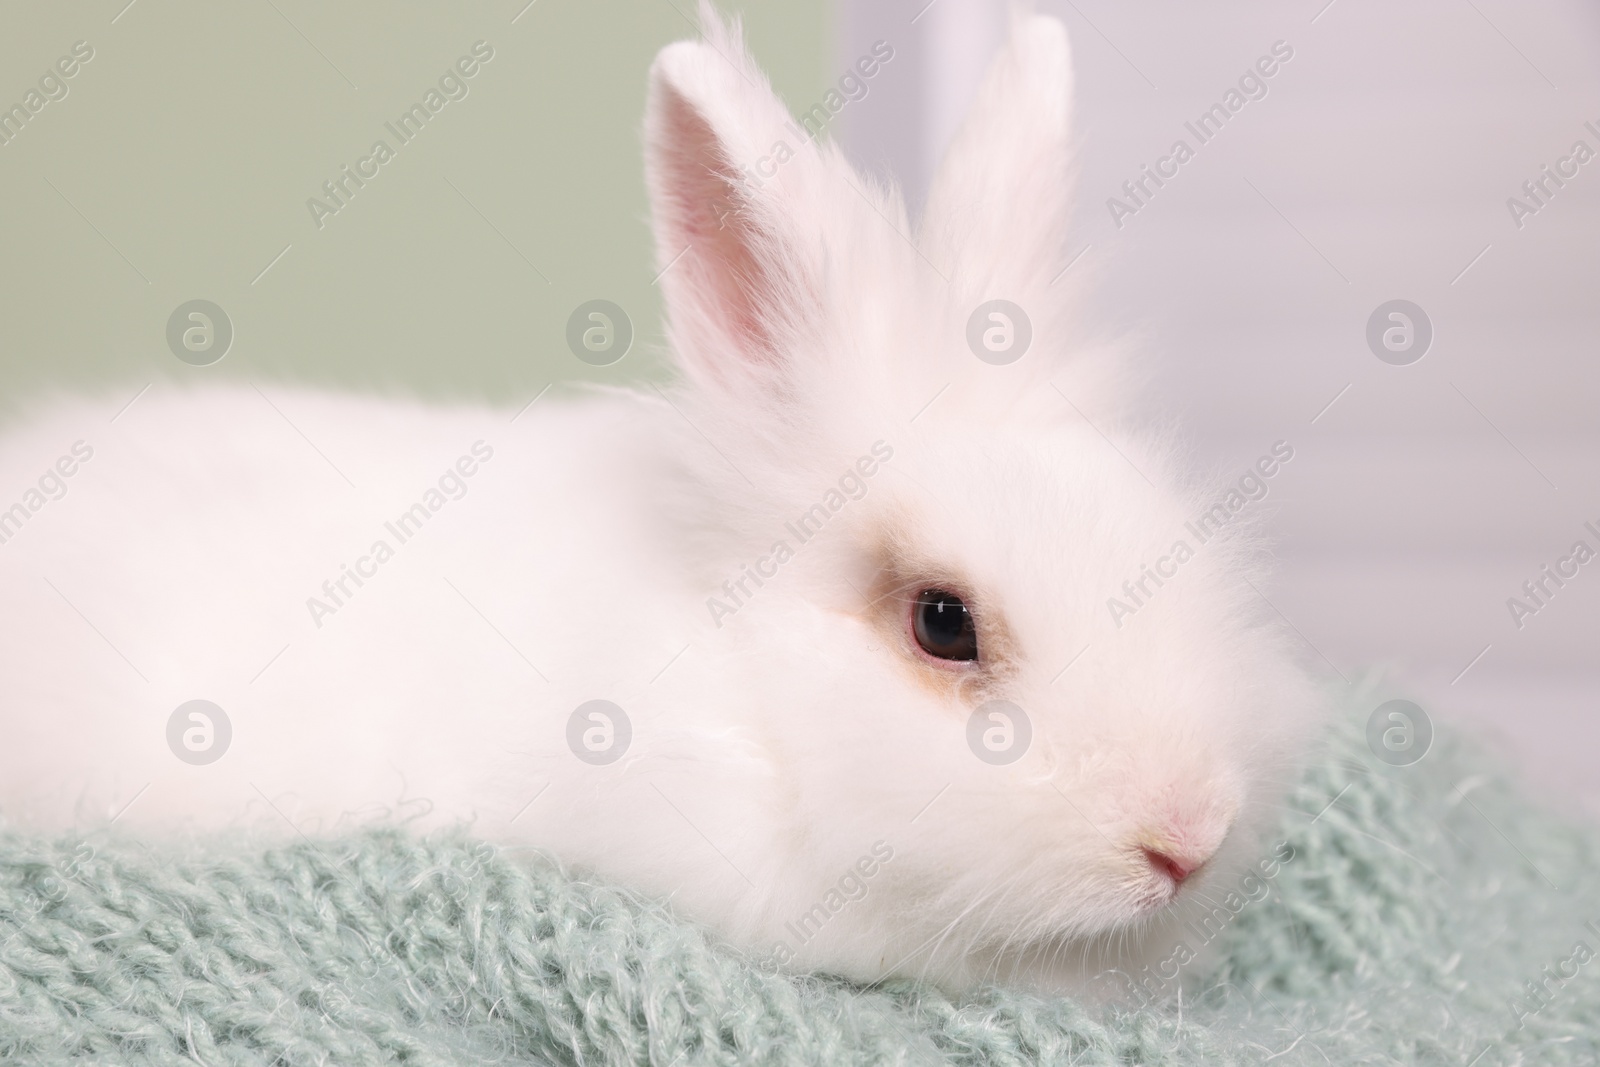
1385,159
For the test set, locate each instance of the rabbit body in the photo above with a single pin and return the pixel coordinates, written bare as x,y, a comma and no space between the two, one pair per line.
731,563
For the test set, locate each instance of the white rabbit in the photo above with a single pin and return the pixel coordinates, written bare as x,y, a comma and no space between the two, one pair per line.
798,576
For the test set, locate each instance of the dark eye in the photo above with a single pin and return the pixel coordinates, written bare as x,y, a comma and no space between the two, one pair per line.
943,626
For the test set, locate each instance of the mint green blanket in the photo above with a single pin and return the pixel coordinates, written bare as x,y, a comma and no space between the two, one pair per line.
1429,916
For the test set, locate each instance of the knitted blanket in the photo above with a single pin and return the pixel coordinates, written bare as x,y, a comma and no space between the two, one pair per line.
1429,915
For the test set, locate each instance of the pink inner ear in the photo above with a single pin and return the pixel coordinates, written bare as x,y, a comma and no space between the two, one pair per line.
721,271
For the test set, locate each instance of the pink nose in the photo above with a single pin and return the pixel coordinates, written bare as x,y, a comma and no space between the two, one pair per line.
1178,869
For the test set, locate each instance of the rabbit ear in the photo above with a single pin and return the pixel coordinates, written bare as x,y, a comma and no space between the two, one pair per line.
730,185
996,212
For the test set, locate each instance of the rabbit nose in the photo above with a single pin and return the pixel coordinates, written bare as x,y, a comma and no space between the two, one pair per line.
1186,828
1176,865
1182,847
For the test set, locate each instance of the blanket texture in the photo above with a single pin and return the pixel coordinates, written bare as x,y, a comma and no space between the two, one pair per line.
1429,915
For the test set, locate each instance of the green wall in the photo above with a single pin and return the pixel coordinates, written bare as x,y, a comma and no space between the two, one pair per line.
180,161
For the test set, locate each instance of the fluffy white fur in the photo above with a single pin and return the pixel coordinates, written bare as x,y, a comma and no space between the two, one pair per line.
769,753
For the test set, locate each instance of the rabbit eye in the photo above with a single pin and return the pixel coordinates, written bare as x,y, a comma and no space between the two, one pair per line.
943,626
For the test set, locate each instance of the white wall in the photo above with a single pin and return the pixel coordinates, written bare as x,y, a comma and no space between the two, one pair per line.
1377,166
